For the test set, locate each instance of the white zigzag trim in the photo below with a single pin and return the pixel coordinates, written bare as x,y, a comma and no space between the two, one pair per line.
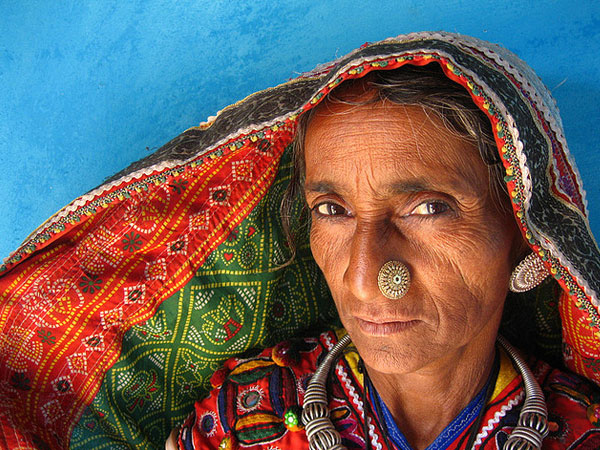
355,397
374,441
494,420
359,405
526,175
327,339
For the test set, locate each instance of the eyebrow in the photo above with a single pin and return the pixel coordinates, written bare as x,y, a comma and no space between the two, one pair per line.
321,187
400,187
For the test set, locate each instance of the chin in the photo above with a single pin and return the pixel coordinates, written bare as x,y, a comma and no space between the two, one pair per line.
385,355
393,361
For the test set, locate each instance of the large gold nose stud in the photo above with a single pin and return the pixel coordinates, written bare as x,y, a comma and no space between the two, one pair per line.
393,279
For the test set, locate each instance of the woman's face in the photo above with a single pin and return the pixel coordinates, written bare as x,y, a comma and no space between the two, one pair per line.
387,182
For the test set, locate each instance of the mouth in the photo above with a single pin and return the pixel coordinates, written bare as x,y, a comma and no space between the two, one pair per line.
384,327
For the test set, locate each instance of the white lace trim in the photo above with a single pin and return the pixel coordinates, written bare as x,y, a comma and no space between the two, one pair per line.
485,431
359,405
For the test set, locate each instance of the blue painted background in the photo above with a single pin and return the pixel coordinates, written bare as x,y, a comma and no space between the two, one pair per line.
86,87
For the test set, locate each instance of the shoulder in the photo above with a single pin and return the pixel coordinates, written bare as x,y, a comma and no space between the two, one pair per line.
256,400
573,404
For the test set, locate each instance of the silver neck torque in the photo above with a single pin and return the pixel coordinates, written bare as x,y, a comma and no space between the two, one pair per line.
529,433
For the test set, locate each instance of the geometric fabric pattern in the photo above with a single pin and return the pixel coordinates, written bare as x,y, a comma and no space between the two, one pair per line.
240,298
110,263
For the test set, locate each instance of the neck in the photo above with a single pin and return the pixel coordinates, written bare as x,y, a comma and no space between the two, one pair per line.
424,402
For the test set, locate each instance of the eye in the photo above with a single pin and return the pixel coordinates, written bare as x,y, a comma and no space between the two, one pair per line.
430,208
330,209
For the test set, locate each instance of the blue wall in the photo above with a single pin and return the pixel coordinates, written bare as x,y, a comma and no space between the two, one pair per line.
86,87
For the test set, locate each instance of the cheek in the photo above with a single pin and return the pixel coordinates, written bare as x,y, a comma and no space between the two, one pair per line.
329,249
469,266
475,247
473,237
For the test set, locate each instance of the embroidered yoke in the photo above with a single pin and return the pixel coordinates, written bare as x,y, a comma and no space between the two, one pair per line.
257,402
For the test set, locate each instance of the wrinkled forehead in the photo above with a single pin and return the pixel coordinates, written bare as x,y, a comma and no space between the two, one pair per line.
443,106
410,141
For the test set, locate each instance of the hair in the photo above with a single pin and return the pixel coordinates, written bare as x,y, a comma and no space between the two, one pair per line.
425,86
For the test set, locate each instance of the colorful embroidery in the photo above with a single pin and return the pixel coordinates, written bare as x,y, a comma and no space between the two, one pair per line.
568,398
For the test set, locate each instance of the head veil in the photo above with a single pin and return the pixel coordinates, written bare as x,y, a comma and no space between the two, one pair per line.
117,310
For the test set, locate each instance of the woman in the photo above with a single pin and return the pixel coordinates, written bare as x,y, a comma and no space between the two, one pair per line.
429,178
411,190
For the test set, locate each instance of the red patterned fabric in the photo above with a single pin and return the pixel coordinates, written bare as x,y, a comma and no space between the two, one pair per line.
69,306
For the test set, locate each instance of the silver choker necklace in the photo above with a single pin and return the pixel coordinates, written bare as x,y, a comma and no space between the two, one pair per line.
529,433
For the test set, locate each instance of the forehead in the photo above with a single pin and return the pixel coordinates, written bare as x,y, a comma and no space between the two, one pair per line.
389,143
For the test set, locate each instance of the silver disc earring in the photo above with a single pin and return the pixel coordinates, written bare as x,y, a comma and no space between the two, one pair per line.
393,279
528,274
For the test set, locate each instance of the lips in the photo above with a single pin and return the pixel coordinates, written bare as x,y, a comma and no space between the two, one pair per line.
377,327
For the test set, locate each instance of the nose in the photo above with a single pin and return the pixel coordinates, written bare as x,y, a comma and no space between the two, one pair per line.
371,247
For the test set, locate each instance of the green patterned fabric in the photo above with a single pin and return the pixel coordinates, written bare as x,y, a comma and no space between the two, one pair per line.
166,362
